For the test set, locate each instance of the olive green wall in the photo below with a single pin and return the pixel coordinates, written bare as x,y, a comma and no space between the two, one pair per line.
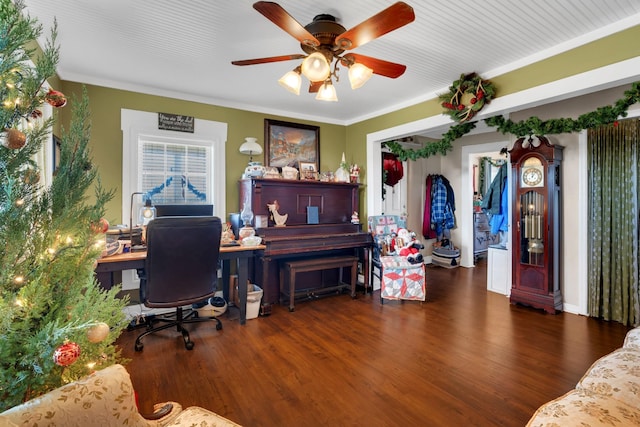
105,105
106,137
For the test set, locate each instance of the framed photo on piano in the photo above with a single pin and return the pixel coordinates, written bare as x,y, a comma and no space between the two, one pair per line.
291,144
308,171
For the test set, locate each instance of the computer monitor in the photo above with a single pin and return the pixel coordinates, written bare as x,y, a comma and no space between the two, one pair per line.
184,210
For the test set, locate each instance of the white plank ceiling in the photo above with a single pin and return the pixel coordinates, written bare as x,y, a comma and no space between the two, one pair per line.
184,49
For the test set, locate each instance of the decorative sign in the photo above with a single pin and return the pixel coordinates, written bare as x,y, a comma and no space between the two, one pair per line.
175,122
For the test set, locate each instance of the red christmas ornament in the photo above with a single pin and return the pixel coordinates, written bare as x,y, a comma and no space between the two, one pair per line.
66,354
101,226
56,98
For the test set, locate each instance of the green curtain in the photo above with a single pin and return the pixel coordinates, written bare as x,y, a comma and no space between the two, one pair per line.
614,154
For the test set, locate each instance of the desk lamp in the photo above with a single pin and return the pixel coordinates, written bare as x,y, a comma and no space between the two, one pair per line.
146,214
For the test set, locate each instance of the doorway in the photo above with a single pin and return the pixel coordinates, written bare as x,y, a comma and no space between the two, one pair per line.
463,235
485,167
469,155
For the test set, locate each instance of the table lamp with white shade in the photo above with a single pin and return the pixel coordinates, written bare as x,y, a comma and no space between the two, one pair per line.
250,147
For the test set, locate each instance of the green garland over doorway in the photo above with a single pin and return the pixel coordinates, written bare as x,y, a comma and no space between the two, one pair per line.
606,115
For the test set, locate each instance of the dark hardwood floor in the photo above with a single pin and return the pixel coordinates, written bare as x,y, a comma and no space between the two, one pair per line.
466,357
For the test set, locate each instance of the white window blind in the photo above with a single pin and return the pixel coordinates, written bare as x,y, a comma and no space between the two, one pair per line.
175,173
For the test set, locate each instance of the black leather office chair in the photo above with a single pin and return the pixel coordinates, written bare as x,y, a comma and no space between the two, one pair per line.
181,269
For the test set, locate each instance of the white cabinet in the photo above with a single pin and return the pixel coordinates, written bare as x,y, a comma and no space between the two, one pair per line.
498,266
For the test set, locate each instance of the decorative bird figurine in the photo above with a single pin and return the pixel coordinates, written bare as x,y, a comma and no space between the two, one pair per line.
280,220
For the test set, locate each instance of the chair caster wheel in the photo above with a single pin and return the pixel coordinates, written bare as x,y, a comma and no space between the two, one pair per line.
291,309
218,326
139,346
188,345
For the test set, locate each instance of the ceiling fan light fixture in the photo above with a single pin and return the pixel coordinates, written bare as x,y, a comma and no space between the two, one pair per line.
292,81
359,74
315,67
324,40
327,92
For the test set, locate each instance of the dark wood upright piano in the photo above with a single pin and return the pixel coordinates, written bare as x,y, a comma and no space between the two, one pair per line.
334,234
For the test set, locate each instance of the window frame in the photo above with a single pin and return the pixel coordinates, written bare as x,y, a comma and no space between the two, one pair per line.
139,126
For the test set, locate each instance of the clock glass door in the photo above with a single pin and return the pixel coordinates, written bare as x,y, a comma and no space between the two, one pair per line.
532,229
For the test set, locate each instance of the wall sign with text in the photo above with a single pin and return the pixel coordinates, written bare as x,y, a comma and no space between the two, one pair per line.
175,122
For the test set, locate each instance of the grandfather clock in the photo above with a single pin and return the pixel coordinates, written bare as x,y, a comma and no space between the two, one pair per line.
535,168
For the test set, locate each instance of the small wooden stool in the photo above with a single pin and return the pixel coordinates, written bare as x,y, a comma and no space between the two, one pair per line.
290,268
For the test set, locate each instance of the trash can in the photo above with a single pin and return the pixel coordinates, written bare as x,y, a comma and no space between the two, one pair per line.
254,297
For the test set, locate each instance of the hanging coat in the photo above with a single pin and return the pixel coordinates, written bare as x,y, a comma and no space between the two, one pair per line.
441,211
427,231
491,201
500,221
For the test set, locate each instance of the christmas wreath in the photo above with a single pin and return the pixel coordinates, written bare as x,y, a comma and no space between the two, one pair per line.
467,96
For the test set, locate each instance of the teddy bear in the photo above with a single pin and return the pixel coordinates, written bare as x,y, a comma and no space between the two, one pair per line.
408,246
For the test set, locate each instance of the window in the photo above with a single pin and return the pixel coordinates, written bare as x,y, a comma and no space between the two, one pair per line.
175,173
174,167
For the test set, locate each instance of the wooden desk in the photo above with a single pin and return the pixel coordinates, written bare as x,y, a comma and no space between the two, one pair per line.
109,270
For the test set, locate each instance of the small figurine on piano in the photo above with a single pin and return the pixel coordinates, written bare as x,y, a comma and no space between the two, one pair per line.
355,219
278,218
354,174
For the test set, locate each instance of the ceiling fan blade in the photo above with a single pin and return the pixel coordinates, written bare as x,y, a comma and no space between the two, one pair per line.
314,87
392,18
267,60
276,14
379,66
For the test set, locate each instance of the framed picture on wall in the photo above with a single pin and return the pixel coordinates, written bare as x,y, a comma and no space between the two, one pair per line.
291,144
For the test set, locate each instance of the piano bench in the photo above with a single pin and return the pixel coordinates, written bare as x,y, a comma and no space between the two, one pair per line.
289,269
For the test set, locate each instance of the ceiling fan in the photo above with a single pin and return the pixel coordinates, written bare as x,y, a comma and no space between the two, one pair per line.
324,41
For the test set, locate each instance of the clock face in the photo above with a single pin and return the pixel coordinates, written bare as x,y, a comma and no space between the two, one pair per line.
532,177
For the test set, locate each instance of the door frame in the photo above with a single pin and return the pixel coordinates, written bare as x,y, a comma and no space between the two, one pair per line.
467,258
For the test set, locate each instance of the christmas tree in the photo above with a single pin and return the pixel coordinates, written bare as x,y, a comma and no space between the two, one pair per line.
56,324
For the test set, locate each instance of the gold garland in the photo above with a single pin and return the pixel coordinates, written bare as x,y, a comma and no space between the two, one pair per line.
467,96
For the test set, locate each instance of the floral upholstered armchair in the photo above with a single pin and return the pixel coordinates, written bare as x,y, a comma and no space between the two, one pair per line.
104,398
608,394
401,274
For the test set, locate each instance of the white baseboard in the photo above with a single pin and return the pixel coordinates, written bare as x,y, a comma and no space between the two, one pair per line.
573,309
